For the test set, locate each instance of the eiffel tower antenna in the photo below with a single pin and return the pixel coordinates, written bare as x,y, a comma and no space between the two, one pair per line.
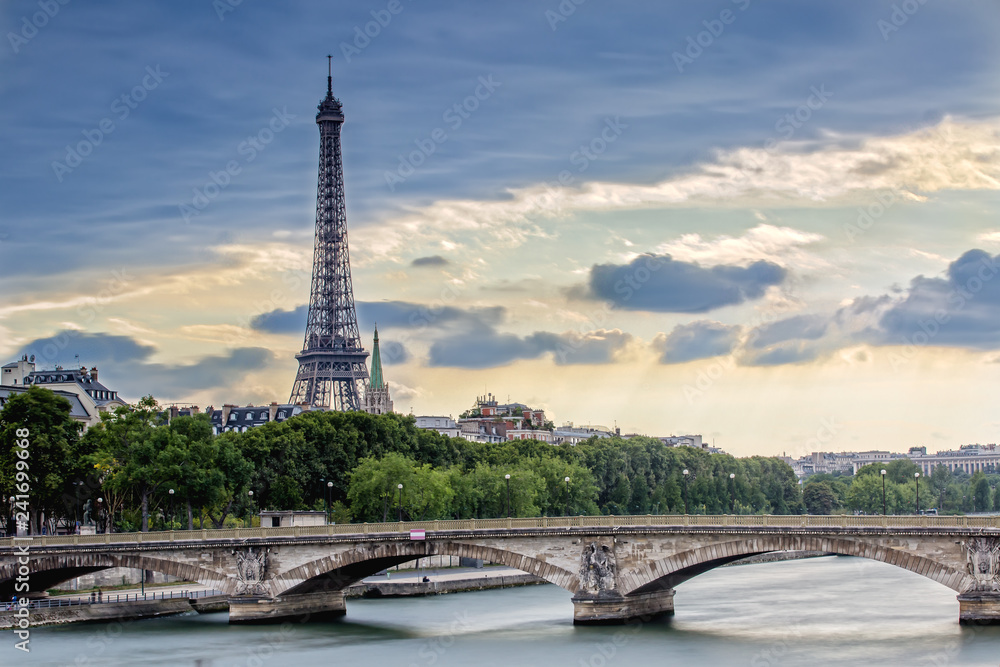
333,372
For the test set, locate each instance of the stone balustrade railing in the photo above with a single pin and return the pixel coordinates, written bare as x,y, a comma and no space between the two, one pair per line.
657,521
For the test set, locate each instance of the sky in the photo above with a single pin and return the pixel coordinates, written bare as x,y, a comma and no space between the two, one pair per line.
770,223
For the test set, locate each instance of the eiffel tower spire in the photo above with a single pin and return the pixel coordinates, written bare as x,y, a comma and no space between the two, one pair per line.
332,370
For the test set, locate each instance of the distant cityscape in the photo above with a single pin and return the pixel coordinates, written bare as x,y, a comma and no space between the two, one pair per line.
487,421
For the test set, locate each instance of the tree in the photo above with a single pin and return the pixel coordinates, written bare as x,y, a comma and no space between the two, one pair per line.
136,455
818,498
865,494
981,493
374,490
53,453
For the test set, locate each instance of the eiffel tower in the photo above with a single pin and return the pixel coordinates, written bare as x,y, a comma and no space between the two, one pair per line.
332,369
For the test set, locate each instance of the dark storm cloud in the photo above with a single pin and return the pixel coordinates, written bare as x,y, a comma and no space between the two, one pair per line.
697,340
125,367
663,284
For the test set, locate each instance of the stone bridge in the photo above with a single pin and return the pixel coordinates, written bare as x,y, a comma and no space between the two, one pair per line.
617,567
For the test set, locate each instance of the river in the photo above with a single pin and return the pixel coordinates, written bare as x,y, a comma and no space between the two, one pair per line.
824,611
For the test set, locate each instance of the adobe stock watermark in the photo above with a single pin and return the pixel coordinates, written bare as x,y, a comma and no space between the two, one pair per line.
363,36
562,12
20,510
714,28
454,116
31,25
581,158
223,7
708,376
786,126
869,215
899,17
249,149
121,107
434,647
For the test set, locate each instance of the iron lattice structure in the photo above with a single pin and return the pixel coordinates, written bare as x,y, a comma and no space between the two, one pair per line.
332,365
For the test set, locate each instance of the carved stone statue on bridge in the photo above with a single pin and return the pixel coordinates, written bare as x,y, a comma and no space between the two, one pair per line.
984,563
597,568
251,569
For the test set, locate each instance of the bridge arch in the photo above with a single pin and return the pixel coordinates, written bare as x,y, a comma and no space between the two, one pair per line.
678,568
337,571
51,570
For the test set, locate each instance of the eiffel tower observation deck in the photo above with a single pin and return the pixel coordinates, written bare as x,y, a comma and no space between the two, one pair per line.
332,365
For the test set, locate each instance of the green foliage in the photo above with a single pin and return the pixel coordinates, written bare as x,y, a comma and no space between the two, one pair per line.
54,452
819,498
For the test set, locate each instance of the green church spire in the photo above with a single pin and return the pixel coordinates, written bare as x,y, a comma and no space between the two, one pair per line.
376,382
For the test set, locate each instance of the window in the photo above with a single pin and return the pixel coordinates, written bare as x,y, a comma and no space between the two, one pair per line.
263,416
248,416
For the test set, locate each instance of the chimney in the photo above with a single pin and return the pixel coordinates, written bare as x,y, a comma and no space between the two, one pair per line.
93,373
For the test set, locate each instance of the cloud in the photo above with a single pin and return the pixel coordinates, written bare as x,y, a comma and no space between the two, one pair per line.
126,367
281,321
763,242
393,352
433,260
960,309
663,284
697,340
487,349
799,327
387,314
833,170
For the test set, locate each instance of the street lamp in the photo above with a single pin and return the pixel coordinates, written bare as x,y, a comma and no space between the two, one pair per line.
732,477
916,478
686,473
99,502
12,528
507,477
399,504
326,499
566,479
171,492
884,513
250,509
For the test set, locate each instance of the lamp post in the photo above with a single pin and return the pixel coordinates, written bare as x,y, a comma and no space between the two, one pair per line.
171,492
329,494
11,521
100,502
884,513
566,479
732,479
686,473
399,503
916,478
507,477
250,509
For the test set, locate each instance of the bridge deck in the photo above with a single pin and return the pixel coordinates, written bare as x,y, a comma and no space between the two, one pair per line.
666,522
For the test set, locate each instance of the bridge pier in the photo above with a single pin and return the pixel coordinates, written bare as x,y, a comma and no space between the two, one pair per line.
612,608
979,608
307,606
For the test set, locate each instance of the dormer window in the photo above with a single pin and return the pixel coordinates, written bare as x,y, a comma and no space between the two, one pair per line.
248,416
